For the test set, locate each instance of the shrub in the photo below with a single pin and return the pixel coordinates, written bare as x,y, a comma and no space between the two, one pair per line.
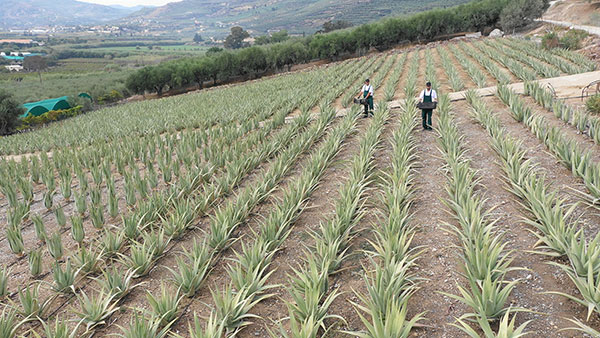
10,110
550,40
520,13
593,104
50,116
572,39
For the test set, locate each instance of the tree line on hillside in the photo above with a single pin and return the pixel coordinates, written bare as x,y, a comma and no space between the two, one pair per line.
252,62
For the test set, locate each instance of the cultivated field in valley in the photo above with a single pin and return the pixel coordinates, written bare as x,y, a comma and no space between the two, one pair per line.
267,209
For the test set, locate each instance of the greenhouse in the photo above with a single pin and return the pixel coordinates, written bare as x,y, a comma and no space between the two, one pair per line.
40,107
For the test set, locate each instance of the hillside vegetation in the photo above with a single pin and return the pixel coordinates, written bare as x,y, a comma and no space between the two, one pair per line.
214,17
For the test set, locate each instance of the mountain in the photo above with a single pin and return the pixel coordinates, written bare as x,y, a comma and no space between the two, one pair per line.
39,13
216,17
131,9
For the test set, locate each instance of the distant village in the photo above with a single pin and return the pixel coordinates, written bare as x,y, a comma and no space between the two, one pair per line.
16,58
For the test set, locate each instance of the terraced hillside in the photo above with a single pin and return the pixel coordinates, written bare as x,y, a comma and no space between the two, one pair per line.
272,209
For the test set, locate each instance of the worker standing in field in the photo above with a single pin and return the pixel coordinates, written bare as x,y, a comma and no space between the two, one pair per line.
367,93
428,95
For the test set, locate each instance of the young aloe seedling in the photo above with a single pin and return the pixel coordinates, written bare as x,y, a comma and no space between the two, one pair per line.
55,246
39,227
15,239
35,262
81,202
77,230
49,199
4,273
63,279
31,304
61,219
97,216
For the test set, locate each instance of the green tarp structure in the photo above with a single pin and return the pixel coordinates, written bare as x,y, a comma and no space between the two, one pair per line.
86,95
40,107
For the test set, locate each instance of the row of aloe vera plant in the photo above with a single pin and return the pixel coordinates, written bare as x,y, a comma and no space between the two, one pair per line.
159,239
485,260
309,289
567,150
226,221
585,122
250,273
558,233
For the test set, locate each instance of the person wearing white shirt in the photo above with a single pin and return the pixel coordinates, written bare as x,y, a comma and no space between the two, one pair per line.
367,93
427,95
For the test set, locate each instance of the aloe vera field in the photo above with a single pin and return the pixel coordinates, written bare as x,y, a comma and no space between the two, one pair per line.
271,208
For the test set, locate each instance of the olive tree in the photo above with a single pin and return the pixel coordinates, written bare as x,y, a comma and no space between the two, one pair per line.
10,110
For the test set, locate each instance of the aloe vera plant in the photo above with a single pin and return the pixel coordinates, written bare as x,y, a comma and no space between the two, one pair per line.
4,273
35,262
77,230
165,305
59,214
15,239
31,304
55,246
64,279
116,283
95,310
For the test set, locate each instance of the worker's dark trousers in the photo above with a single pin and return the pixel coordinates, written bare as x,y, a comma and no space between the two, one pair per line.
426,115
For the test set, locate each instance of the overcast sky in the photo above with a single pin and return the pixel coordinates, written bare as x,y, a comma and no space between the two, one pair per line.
130,2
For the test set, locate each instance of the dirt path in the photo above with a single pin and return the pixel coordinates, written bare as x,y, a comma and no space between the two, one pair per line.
444,83
464,75
439,263
590,29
